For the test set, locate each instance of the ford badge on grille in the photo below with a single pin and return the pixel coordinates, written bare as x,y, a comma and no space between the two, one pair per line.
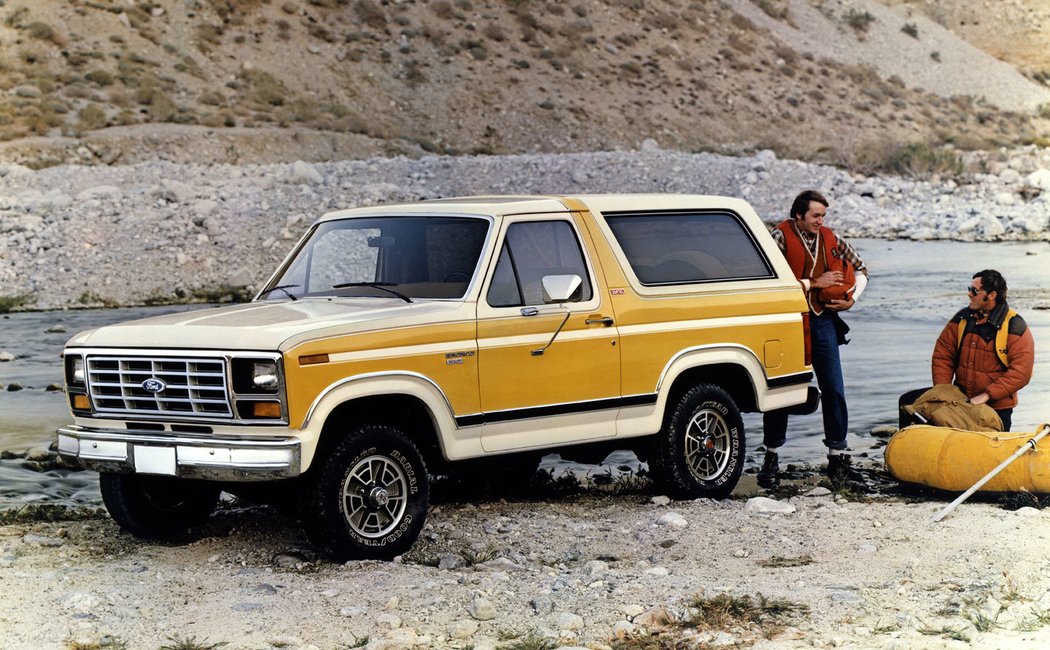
153,385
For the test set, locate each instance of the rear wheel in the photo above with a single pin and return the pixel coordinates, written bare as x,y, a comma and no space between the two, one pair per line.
367,500
700,452
157,507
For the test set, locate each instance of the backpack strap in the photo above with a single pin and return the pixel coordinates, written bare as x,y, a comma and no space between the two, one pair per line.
1001,337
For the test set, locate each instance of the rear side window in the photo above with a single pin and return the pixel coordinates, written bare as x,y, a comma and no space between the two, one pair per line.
530,251
688,247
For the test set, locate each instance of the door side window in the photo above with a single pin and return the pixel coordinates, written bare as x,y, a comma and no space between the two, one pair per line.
530,251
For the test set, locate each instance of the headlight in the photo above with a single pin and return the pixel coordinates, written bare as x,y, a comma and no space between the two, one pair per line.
75,375
254,376
264,375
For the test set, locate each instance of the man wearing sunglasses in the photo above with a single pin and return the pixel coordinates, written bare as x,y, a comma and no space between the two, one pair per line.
986,349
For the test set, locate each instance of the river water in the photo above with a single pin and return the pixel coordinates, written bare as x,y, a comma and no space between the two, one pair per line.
914,288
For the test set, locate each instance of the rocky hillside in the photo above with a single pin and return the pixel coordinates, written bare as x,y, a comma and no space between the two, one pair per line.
841,81
1017,32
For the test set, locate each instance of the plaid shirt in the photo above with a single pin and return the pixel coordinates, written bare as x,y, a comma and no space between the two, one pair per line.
844,248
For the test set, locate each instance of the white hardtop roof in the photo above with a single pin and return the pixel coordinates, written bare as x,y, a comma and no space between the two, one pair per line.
504,205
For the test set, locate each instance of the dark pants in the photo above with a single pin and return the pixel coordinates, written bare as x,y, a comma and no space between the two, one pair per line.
1006,415
827,367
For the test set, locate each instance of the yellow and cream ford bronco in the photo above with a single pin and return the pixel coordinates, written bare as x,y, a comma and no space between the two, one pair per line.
402,341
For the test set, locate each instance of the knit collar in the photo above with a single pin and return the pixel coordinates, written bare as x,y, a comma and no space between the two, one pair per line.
995,317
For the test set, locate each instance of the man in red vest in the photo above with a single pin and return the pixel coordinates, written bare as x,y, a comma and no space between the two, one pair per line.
833,277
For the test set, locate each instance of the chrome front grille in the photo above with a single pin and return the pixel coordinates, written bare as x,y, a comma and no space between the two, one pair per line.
187,387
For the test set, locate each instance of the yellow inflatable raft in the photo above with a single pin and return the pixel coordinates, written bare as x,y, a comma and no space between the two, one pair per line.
953,459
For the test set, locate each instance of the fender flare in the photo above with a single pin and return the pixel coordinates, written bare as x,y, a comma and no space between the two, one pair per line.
389,383
708,355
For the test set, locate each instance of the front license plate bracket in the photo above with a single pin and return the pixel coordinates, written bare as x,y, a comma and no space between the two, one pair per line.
155,460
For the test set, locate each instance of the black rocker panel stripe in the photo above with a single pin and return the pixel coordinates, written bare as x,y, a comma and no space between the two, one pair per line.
598,405
789,380
555,409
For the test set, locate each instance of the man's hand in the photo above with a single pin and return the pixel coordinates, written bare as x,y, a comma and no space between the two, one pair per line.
840,305
828,279
979,399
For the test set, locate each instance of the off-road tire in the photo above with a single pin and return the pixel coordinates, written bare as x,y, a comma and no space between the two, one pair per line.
367,498
157,507
700,451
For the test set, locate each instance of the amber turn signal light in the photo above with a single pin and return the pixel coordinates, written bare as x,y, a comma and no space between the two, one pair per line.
81,403
310,359
266,409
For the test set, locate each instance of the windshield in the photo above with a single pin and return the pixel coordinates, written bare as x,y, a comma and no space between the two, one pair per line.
384,257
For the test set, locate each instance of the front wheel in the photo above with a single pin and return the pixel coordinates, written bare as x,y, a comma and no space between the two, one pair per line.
700,451
157,507
367,500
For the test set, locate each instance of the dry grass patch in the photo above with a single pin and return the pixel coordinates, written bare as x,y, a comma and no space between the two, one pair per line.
724,611
742,616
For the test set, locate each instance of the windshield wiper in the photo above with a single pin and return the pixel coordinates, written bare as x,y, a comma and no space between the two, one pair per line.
382,286
284,289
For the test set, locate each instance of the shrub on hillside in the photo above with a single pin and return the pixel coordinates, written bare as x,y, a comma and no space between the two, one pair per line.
91,117
99,77
859,20
921,160
263,87
442,9
370,13
208,36
774,9
41,31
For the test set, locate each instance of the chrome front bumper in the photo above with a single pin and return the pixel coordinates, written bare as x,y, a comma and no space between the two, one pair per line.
211,458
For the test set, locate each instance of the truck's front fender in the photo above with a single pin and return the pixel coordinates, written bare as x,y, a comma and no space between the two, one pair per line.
389,383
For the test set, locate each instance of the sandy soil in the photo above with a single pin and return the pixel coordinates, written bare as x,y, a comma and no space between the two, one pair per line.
579,570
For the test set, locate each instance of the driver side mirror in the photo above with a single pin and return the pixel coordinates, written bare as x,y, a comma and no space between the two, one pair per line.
560,288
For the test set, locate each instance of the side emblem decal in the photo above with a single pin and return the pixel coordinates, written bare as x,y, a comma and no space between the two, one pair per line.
456,358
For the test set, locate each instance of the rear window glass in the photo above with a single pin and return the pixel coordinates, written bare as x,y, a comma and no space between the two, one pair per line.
688,247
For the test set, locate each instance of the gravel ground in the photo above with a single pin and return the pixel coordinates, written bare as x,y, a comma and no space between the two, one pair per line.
583,570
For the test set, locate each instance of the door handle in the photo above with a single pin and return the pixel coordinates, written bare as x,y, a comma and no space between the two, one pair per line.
607,321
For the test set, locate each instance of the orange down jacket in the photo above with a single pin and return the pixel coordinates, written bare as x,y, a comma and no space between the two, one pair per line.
974,366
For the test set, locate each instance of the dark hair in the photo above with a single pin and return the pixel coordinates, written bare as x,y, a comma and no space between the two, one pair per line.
993,281
800,206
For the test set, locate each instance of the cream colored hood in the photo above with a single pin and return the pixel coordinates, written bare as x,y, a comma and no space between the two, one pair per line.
270,325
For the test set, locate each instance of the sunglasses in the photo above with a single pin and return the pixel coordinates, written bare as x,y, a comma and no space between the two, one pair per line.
974,292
